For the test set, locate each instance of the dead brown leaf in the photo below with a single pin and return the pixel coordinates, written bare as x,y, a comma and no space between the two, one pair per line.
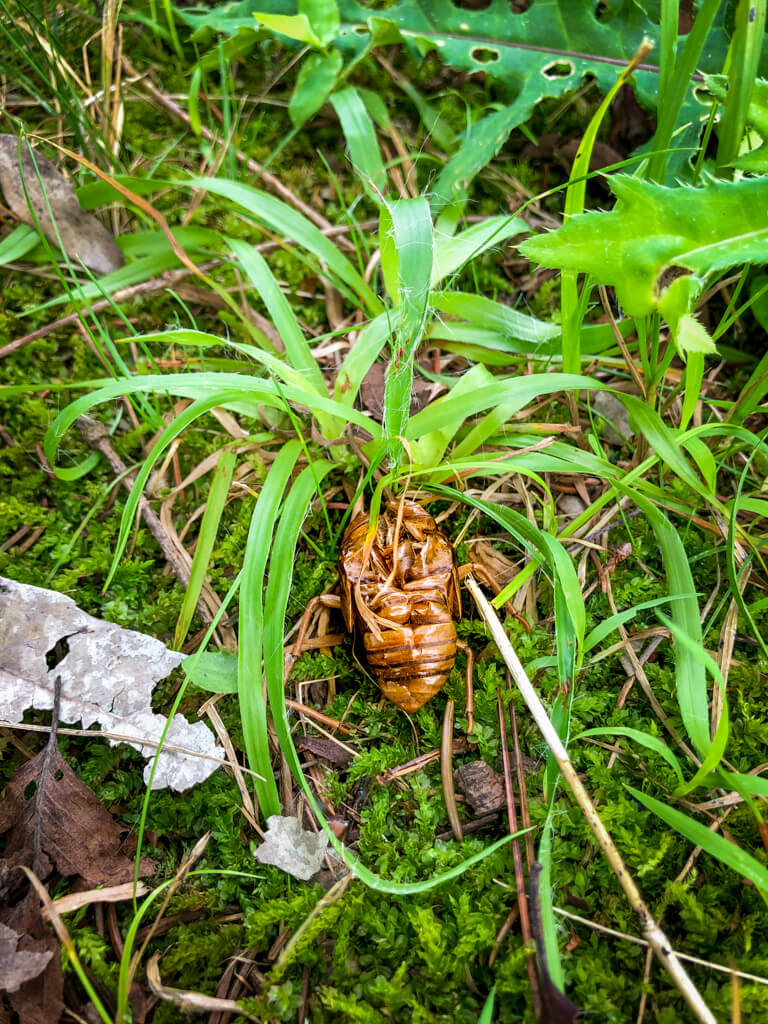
329,750
37,1000
38,187
77,835
482,787
18,965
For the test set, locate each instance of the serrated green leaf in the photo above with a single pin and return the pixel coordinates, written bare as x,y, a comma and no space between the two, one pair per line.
654,228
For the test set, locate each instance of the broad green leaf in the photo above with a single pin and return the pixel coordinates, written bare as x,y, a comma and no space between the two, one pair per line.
715,845
295,26
314,84
323,16
654,229
215,671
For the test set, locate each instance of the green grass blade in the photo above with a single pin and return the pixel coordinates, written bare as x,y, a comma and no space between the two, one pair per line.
728,853
451,254
297,348
411,227
209,526
690,675
281,218
607,626
743,60
253,707
361,139
643,738
676,80
516,391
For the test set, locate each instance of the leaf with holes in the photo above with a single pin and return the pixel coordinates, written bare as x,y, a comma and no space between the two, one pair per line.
658,244
545,51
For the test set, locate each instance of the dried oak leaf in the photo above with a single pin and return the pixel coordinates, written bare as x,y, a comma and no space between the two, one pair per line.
38,184
77,834
18,965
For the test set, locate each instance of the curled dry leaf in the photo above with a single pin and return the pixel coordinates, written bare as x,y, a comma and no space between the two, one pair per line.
18,966
327,749
482,787
36,182
288,847
38,999
107,676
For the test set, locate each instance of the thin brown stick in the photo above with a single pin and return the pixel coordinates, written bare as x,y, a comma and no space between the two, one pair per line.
517,857
272,182
652,931
446,772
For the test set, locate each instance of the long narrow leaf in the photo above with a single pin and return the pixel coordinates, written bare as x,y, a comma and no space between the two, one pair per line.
252,625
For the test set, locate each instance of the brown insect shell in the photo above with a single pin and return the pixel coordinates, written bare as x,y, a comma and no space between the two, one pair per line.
403,601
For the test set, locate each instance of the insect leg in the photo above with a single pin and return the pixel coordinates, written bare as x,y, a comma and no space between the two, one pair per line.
470,683
322,600
479,570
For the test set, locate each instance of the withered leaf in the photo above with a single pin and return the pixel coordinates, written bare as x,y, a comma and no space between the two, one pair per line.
289,847
39,184
37,1000
77,835
18,965
328,749
482,787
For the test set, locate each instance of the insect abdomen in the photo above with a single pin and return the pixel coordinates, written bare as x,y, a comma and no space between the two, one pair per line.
412,664
403,602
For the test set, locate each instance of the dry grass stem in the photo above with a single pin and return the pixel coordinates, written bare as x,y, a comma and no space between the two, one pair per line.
652,931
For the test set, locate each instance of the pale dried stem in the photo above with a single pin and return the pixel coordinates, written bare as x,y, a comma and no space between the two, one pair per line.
650,929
